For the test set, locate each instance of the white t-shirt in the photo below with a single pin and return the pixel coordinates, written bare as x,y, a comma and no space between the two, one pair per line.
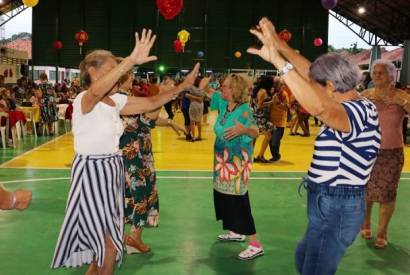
98,132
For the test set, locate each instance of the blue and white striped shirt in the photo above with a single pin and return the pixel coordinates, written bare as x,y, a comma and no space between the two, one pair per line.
347,158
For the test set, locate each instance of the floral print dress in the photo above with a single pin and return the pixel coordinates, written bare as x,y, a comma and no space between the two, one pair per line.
141,194
233,158
48,108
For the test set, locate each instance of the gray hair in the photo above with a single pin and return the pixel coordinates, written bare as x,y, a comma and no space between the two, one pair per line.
336,69
391,69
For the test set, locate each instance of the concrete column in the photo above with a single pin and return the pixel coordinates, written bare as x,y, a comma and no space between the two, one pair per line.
405,64
375,54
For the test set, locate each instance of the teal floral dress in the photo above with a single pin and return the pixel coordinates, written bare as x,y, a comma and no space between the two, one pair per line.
233,158
232,168
141,194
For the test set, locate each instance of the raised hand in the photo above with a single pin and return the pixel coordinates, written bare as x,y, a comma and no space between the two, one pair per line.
204,82
190,79
143,45
266,33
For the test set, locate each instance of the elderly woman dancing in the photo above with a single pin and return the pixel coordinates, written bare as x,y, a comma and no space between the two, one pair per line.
345,148
235,129
392,104
92,231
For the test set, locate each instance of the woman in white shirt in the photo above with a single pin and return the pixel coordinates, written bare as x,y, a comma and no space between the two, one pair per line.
92,231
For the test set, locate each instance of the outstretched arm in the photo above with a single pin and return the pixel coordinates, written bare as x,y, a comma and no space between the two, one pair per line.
100,87
137,105
310,95
19,199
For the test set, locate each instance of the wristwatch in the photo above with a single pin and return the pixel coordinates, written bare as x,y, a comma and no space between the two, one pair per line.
286,68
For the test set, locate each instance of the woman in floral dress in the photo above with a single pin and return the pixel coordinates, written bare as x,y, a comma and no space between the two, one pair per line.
48,108
141,194
235,129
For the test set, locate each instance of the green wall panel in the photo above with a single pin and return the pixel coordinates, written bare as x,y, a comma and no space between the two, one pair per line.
218,28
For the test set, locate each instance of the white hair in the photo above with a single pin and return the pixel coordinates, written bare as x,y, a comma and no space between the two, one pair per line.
391,69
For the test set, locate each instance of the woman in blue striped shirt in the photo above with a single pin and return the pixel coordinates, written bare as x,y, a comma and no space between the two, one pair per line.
345,148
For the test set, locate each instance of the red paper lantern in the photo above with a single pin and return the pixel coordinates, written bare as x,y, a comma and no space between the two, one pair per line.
170,8
82,38
318,42
178,46
285,35
58,45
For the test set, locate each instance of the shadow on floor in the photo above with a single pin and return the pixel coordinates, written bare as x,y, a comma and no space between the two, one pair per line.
390,258
223,260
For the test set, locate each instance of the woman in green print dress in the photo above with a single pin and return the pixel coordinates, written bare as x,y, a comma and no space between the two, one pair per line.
235,129
141,194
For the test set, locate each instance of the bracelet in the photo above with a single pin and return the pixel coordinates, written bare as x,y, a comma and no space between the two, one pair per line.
286,68
13,202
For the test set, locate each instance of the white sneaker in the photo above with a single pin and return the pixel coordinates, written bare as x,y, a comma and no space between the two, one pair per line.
251,253
231,237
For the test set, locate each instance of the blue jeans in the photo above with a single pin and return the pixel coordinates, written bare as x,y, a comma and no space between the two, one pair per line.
274,144
335,215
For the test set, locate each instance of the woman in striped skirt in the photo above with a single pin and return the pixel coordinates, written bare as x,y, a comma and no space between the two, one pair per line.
92,231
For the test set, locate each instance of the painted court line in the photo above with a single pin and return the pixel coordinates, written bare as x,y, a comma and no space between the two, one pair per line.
32,150
160,177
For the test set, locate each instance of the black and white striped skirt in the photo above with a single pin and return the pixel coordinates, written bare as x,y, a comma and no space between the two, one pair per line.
95,207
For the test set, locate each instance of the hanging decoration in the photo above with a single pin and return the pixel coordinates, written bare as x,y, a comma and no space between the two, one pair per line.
238,54
318,42
183,37
285,35
329,4
82,38
58,45
170,8
178,46
30,3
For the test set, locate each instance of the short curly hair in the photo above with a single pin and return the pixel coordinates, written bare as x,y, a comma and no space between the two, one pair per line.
240,88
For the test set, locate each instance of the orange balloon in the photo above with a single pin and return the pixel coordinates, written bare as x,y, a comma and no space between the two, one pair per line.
237,54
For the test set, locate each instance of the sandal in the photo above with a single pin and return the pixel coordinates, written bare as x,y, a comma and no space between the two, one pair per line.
366,234
134,246
231,237
381,243
251,253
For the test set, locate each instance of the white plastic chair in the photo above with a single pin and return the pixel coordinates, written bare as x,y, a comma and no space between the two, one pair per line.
3,130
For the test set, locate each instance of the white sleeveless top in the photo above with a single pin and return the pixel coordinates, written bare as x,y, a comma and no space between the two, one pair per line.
98,132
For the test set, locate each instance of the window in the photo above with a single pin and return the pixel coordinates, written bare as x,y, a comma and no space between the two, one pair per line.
52,75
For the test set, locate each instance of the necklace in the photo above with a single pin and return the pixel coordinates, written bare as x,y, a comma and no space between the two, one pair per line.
225,116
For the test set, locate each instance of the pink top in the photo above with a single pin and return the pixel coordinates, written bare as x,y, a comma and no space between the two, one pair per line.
391,125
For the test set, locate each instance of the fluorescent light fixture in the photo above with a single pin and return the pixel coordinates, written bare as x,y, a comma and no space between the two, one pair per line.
209,71
184,71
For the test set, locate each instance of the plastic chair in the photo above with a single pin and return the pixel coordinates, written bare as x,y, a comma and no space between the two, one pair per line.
4,130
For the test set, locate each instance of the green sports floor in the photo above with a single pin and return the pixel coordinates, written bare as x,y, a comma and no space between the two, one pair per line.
185,241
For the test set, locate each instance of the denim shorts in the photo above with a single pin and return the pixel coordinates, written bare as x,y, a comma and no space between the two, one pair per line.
335,215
